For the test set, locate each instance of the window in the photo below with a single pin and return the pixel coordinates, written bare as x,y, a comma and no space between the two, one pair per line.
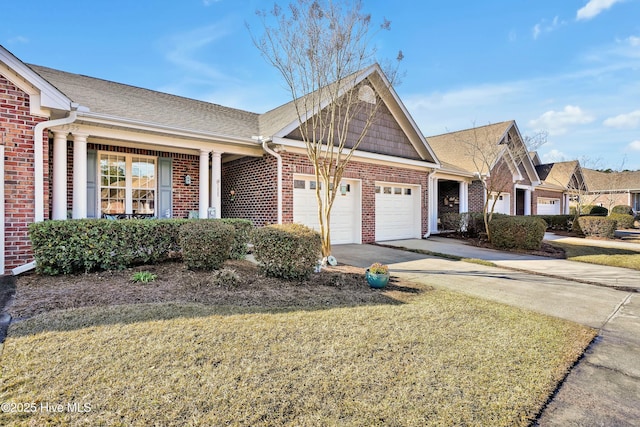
127,184
397,190
407,191
387,190
377,189
299,183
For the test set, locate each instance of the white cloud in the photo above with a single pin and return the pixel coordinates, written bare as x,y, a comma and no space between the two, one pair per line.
553,156
545,26
634,41
18,39
635,145
626,121
594,8
558,122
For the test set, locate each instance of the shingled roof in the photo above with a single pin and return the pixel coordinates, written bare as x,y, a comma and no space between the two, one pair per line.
560,175
603,181
133,103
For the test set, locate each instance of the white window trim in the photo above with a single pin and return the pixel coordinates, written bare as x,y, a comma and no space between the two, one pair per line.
128,179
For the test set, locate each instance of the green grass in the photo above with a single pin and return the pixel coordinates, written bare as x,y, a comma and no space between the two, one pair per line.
441,359
589,252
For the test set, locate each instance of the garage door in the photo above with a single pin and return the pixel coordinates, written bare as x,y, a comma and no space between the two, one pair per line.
503,204
548,206
397,211
345,213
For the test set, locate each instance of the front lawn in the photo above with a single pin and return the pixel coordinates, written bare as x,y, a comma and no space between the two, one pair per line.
333,353
590,252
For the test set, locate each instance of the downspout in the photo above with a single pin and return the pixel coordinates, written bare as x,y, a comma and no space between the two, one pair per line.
2,224
266,148
38,166
430,200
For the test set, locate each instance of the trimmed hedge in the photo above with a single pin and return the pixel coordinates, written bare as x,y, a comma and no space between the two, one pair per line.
557,222
517,232
597,226
71,246
622,220
243,229
206,243
468,223
599,211
622,209
287,251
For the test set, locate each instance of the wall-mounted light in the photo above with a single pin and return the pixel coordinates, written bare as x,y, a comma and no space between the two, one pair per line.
187,180
343,188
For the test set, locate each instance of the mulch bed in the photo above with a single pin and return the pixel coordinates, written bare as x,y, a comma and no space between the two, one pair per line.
335,287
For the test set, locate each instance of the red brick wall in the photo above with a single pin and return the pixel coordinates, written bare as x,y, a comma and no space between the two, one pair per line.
254,181
16,133
476,197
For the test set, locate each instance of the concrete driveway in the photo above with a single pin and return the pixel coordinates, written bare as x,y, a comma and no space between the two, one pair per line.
604,388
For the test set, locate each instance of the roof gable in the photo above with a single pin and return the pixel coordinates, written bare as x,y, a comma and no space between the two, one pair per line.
564,175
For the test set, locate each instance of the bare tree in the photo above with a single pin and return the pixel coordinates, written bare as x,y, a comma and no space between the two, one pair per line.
497,159
320,48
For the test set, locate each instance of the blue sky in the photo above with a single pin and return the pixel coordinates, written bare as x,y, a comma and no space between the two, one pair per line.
569,67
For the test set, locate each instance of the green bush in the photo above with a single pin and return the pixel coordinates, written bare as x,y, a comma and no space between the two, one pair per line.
586,209
597,226
517,232
452,221
599,211
243,229
557,222
622,209
287,251
205,243
71,246
622,220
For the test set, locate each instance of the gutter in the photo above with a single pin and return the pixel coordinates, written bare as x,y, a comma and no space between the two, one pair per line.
278,157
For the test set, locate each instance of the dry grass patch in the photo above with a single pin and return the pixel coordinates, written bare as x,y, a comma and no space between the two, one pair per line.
439,358
589,252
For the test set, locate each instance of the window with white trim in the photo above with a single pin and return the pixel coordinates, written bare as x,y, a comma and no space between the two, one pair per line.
127,184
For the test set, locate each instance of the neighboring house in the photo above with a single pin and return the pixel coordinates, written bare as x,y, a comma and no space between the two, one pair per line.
561,182
496,153
609,189
80,147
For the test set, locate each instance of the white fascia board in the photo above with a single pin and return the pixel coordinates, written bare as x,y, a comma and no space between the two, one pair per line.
300,147
45,95
453,175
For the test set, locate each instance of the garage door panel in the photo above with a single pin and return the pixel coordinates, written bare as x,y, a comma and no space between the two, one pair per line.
548,206
397,212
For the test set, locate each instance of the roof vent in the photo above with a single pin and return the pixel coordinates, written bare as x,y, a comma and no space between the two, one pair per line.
366,94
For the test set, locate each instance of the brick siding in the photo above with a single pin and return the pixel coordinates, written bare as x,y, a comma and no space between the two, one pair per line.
16,133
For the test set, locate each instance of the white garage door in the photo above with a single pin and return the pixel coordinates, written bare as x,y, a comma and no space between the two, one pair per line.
503,205
548,206
345,213
397,211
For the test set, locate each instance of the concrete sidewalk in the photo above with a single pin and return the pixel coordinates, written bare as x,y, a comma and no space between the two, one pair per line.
604,388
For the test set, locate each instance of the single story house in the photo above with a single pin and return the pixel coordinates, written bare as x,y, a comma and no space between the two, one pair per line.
75,146
560,183
609,189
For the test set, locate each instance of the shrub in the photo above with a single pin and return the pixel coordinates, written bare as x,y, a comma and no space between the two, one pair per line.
452,221
586,209
557,222
597,226
599,211
143,277
243,229
225,277
517,232
206,243
622,209
622,220
472,223
288,251
83,245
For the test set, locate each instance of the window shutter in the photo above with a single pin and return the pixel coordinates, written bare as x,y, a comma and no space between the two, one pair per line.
92,184
164,208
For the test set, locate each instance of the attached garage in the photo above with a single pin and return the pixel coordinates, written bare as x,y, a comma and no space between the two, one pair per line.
397,211
346,218
548,206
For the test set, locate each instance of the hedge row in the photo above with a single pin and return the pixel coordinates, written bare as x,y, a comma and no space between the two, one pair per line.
517,232
597,226
206,244
287,251
63,247
557,222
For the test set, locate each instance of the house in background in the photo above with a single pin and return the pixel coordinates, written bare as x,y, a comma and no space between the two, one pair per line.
495,152
560,183
74,146
609,189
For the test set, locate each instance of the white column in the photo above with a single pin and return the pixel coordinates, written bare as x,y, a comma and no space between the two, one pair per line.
79,204
203,204
464,197
216,183
59,186
527,202
433,205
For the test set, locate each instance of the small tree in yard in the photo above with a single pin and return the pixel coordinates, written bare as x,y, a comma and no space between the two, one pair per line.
496,162
320,47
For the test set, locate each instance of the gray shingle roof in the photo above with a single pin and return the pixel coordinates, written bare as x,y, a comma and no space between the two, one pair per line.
130,102
558,174
599,181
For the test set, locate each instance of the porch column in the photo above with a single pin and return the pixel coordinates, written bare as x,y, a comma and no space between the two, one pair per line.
433,205
464,197
216,183
527,202
59,176
79,204
203,197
